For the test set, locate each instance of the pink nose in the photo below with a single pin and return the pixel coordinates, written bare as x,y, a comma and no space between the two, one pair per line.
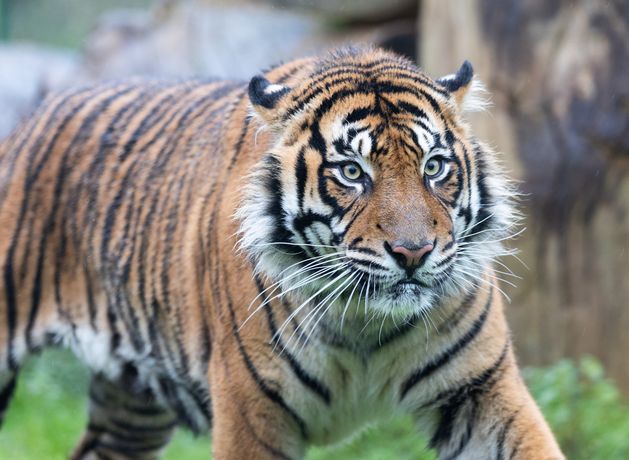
414,256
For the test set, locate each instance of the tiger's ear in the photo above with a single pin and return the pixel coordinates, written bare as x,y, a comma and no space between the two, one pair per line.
468,92
266,99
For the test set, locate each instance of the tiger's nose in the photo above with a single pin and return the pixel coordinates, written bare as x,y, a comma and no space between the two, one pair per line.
409,255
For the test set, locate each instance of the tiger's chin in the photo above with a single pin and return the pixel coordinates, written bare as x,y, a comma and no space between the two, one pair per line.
403,300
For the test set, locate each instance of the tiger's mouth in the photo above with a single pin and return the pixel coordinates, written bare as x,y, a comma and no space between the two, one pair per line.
408,281
406,288
403,289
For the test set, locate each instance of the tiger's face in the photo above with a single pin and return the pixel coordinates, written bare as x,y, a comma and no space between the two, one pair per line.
374,192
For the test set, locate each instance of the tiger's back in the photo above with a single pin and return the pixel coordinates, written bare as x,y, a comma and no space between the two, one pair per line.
101,198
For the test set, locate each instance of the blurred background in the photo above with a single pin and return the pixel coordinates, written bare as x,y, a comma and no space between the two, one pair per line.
558,73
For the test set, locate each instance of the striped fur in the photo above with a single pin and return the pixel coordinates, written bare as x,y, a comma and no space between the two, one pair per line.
199,246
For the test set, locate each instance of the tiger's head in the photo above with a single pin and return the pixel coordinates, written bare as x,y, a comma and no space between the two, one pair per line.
373,191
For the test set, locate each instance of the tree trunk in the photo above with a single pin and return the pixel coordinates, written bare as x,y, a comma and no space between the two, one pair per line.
557,72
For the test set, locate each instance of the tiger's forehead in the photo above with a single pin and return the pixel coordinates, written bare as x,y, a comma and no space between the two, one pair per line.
367,136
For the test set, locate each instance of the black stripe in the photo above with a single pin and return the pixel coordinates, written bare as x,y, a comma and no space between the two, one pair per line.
8,274
502,436
301,177
468,168
131,449
172,220
309,97
446,260
355,241
108,142
309,381
5,396
262,384
449,244
49,223
273,184
417,112
466,397
449,415
182,114
157,113
516,448
483,219
336,98
142,429
449,354
460,178
55,105
452,322
357,114
172,392
362,250
368,264
353,220
275,452
357,73
90,447
148,437
397,334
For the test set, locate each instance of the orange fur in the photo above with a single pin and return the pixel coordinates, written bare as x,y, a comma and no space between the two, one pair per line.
118,239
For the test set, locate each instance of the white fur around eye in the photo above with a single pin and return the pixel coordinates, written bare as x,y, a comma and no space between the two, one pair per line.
424,138
361,144
348,182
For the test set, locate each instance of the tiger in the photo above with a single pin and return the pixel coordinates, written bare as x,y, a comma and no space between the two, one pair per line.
280,263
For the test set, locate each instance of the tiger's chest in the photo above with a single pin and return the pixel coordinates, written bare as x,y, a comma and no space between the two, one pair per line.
361,389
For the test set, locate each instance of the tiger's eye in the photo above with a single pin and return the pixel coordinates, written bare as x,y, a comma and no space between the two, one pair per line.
351,171
433,167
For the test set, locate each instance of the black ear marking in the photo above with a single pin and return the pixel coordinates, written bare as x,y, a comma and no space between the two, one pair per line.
461,79
262,92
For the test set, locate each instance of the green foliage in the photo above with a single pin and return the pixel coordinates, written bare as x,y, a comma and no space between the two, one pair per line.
584,408
48,411
63,23
394,440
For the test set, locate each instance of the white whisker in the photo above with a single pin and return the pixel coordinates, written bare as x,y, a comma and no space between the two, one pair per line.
349,300
476,224
280,243
312,262
321,273
483,280
331,302
306,302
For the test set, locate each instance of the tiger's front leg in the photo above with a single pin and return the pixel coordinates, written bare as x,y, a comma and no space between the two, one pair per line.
251,419
492,416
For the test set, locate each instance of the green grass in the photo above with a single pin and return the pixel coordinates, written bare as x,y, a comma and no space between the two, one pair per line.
585,409
48,413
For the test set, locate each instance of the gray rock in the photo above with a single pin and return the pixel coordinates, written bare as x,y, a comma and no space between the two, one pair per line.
195,39
27,73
